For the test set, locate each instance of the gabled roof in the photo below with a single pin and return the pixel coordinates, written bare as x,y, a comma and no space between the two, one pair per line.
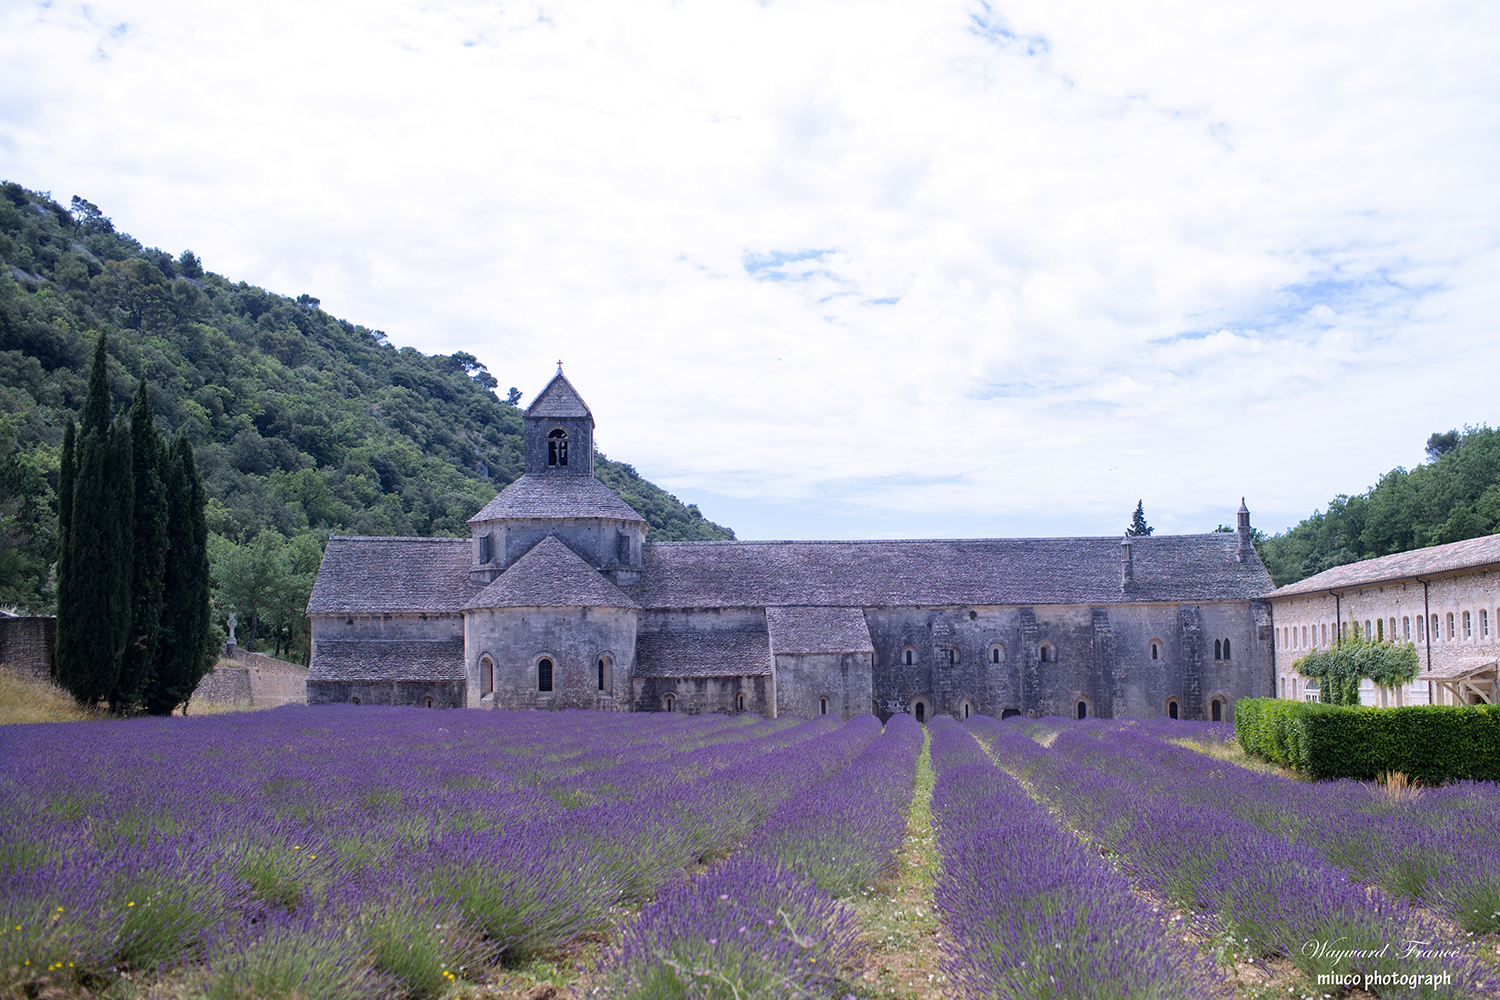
818,630
387,660
556,496
393,576
551,575
951,573
559,399
1471,553
705,653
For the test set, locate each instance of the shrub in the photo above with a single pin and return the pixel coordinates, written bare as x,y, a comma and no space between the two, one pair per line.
1429,743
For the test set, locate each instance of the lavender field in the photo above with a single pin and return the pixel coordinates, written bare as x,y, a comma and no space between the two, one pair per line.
368,852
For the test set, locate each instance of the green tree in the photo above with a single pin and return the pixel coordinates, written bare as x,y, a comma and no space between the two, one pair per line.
94,617
186,640
1138,526
148,454
1356,657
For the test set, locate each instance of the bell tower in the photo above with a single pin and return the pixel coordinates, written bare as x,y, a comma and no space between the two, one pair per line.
559,431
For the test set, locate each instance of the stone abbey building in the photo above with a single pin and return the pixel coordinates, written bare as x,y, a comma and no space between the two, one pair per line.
559,600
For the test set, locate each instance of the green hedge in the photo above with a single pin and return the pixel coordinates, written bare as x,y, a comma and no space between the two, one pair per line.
1428,743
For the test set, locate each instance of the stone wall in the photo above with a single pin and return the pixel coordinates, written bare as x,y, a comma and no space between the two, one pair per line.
227,684
273,682
824,684
27,645
513,641
695,695
253,680
990,660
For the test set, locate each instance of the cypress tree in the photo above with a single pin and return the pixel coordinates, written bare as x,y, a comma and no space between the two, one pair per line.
148,457
97,406
94,621
184,650
67,475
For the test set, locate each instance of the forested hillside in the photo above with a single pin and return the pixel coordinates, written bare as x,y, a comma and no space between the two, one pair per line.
1453,496
303,425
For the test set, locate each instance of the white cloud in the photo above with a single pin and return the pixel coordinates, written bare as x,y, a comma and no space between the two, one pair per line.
900,266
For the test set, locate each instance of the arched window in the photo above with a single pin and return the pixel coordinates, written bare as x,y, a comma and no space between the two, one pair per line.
486,676
921,712
997,652
1048,653
1218,650
428,701
1083,710
1155,649
1468,625
1450,625
1216,708
544,674
557,447
822,706
1283,687
1484,623
354,700
908,655
671,703
1006,713
1172,709
1406,627
739,702
966,710
952,656
1226,649
1435,633
1369,632
606,670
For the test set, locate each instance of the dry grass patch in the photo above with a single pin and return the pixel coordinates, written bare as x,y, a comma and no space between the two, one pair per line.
24,699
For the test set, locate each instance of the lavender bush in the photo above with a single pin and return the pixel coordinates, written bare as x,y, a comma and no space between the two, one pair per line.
1033,913
1276,897
417,842
750,929
844,831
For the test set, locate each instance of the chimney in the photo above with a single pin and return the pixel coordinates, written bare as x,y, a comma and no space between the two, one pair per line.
1127,566
1242,528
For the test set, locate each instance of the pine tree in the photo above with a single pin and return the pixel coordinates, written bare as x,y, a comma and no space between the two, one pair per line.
148,454
1138,526
184,649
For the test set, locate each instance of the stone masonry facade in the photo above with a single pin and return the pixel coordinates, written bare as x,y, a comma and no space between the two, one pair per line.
558,600
1444,599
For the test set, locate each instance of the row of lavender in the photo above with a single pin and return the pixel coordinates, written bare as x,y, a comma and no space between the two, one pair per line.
767,924
1438,846
1033,913
1276,897
288,853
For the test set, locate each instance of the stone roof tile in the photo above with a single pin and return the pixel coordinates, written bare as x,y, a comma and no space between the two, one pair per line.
387,660
946,573
1468,554
818,630
556,497
706,653
392,576
559,399
551,575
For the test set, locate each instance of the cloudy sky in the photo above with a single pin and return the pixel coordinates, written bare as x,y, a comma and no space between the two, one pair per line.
839,269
